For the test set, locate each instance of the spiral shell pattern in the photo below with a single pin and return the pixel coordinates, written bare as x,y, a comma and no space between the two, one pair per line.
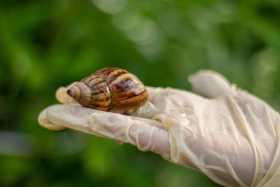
110,89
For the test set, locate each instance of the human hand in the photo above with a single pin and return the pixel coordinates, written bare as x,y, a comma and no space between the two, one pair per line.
228,134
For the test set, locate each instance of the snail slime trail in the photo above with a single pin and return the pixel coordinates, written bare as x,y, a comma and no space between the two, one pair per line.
110,89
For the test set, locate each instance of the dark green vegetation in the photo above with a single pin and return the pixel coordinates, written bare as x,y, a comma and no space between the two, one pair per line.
45,44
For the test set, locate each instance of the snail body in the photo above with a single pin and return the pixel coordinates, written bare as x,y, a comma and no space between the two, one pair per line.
110,89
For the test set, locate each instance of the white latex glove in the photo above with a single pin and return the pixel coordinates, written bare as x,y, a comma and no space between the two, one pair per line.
228,134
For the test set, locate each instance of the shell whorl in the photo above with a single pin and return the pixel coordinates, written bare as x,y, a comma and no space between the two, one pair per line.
80,92
100,92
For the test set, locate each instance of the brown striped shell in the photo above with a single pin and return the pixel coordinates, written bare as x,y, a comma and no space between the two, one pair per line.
110,89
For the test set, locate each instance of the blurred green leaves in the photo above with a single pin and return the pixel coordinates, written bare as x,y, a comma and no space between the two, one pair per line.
46,44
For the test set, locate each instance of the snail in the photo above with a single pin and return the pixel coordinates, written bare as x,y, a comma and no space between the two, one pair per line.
110,89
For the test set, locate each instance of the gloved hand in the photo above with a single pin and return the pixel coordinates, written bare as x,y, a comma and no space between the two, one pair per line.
227,133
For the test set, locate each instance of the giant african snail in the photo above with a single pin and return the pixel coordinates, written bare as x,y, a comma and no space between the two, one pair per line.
110,89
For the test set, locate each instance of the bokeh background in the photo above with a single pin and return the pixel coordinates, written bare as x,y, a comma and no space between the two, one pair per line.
46,44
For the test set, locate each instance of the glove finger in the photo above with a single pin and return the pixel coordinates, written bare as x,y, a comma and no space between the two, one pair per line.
211,84
59,117
143,133
168,101
149,109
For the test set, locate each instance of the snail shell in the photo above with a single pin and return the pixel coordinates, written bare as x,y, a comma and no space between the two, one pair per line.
110,89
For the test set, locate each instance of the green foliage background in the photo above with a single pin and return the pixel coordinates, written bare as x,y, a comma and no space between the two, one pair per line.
46,44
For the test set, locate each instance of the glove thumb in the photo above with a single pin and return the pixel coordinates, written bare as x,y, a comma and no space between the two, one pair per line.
210,84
